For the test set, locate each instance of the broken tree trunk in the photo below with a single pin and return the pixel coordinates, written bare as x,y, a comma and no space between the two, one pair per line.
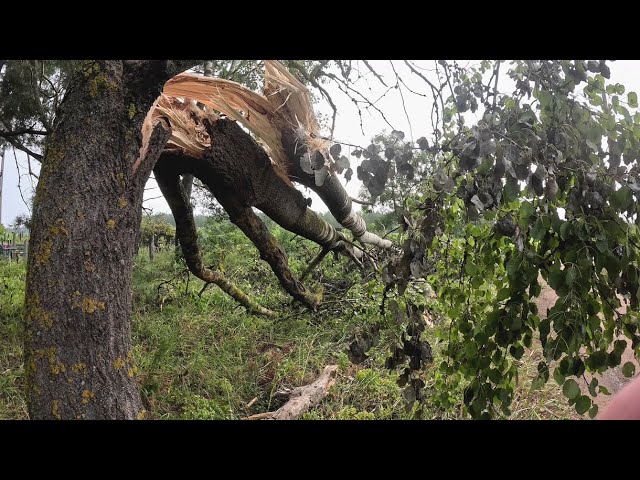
302,398
284,120
241,175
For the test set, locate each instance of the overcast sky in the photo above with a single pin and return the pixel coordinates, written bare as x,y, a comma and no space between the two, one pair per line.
413,118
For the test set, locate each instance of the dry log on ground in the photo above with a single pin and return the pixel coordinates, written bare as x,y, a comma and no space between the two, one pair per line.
302,398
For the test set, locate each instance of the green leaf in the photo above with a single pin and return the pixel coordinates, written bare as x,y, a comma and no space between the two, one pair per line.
495,376
511,189
517,351
570,389
602,245
619,346
513,265
526,210
503,294
556,278
598,359
558,376
622,198
539,230
628,369
593,411
632,99
583,403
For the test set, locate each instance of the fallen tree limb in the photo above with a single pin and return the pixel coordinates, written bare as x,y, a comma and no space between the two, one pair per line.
173,192
302,398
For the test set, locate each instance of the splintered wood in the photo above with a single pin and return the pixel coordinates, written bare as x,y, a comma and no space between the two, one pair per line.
302,398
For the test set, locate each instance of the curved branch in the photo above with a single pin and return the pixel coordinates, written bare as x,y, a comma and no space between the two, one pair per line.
362,202
171,188
267,245
16,144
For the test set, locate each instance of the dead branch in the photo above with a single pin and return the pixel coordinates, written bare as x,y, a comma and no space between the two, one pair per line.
302,398
362,202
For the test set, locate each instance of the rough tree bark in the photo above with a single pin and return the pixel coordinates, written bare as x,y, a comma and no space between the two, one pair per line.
86,216
187,186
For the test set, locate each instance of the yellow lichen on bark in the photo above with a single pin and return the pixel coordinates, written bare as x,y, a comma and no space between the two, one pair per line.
79,367
54,410
90,305
58,228
86,396
36,313
43,252
119,363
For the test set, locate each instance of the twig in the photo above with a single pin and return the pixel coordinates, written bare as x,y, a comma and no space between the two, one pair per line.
316,261
375,73
362,202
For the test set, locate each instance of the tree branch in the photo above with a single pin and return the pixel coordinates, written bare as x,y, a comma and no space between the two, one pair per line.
20,146
22,131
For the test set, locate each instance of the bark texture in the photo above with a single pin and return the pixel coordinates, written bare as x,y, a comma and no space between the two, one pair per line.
332,193
78,358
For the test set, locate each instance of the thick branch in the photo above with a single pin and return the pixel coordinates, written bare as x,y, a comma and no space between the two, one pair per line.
270,251
146,77
185,227
21,147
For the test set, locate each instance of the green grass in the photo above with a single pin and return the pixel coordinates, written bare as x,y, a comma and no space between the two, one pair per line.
204,357
12,281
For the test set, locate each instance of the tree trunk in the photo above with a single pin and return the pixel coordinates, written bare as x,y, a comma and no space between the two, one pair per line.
86,216
152,247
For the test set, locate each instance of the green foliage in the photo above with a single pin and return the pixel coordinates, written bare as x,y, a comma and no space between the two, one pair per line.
30,92
400,173
12,287
158,226
202,357
540,190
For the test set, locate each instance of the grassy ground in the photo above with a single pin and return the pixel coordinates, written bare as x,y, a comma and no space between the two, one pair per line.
203,357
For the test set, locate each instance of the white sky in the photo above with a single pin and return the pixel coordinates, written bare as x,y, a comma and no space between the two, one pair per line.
415,122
